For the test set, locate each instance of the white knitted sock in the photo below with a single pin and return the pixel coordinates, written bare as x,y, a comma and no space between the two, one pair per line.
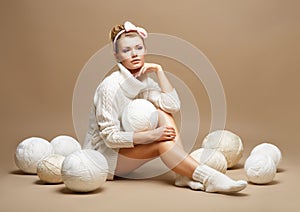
215,181
183,181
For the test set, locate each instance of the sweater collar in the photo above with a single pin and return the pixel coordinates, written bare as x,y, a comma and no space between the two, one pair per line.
130,85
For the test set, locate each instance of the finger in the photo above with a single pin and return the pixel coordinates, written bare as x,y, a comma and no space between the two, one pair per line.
171,136
144,69
170,130
140,71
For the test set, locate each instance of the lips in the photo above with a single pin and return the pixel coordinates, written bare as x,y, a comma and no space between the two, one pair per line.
135,61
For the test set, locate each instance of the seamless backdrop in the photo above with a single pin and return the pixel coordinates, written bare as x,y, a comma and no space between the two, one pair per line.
253,45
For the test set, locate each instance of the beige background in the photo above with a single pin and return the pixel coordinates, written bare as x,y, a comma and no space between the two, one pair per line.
253,45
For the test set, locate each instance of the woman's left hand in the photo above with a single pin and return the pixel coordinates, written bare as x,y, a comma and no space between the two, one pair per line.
147,68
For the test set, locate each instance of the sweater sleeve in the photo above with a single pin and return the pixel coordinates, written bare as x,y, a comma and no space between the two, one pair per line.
107,119
167,101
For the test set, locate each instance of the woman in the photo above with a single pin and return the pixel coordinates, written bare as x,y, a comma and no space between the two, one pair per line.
126,151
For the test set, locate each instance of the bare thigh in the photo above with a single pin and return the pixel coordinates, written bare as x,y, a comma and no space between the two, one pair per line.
130,159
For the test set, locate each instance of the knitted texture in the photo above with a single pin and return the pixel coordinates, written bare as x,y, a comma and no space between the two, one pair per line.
226,142
105,132
30,152
215,181
64,145
139,115
49,169
260,169
270,150
84,170
211,157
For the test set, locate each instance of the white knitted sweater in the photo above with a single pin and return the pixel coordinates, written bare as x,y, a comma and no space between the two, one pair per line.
105,133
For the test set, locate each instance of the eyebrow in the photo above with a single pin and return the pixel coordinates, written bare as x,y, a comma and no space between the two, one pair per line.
140,44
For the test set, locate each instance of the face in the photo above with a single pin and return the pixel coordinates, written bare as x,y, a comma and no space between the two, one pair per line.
131,51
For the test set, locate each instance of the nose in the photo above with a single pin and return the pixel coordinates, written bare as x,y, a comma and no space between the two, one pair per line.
133,53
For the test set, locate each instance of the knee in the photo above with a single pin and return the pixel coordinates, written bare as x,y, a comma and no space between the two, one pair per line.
165,118
165,146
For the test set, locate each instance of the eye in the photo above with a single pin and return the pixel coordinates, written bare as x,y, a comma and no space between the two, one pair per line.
125,50
140,47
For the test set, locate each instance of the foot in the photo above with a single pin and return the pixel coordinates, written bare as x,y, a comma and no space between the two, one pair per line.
183,181
215,181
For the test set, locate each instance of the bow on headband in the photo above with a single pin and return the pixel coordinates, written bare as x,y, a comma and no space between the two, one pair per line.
129,27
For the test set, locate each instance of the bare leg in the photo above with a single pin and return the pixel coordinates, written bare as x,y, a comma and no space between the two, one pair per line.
167,119
171,153
174,156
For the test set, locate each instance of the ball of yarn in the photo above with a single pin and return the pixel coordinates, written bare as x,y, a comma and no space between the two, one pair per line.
270,150
30,152
211,157
84,170
226,142
49,168
260,169
139,115
65,145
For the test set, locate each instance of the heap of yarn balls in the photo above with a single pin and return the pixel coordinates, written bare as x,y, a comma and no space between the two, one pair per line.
260,169
64,145
84,170
49,168
139,115
211,157
270,150
226,142
30,152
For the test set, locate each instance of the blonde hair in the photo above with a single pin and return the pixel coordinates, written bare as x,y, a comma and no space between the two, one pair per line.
116,29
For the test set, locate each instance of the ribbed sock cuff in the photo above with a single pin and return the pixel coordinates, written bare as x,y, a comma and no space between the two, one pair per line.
202,173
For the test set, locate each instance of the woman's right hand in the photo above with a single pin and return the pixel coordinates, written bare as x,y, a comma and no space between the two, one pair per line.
163,133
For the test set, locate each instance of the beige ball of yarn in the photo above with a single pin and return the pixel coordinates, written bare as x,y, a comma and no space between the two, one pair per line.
260,169
49,168
270,150
84,170
226,142
139,115
65,145
211,157
30,152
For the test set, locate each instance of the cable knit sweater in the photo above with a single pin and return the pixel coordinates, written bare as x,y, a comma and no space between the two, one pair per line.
105,133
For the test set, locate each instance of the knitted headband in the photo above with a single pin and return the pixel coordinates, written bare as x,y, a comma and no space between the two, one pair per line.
129,27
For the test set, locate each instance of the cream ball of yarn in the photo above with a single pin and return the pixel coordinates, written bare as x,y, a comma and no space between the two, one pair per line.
139,115
211,157
64,145
49,168
84,170
30,152
260,169
270,150
226,142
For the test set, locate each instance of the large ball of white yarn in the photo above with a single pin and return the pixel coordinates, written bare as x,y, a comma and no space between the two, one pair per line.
226,142
30,152
139,115
270,150
260,169
211,157
49,168
84,170
65,145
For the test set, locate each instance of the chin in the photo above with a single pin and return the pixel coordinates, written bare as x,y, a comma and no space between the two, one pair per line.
135,66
